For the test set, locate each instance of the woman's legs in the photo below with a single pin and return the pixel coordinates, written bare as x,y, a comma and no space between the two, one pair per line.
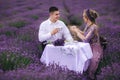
93,67
97,55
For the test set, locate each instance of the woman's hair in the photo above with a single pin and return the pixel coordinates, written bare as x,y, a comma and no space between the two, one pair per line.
91,14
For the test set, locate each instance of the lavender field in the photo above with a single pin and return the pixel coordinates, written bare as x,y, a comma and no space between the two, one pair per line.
20,49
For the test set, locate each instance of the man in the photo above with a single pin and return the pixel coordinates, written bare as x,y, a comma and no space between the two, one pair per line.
53,29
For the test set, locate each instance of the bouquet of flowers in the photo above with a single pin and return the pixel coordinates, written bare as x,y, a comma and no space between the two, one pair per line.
59,42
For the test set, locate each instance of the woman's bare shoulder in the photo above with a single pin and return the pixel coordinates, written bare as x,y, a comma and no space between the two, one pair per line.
95,26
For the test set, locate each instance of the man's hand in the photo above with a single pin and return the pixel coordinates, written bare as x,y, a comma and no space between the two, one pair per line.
56,30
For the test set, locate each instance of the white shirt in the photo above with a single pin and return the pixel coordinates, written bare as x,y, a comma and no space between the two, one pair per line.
47,26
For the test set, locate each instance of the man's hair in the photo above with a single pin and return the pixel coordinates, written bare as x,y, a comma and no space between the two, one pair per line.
52,9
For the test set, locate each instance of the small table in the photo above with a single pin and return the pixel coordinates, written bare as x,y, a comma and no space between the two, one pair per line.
75,56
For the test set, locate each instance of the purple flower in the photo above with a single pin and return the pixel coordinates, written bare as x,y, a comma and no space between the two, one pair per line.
59,42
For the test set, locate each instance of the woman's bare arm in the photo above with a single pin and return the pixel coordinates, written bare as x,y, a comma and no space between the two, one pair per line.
81,36
73,28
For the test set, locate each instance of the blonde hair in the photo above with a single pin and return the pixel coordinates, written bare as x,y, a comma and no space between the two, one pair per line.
91,15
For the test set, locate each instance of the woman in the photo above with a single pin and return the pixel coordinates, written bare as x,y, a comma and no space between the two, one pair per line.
90,35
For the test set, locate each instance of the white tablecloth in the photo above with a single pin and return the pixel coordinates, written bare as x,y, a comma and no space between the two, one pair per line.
74,56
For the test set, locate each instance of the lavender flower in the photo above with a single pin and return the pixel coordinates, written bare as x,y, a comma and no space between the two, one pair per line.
59,42
23,37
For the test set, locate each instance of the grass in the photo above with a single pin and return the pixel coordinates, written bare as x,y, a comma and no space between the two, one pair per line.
9,33
1,25
75,20
18,24
101,25
25,37
11,61
29,8
14,12
65,21
116,22
108,60
119,34
40,47
35,17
